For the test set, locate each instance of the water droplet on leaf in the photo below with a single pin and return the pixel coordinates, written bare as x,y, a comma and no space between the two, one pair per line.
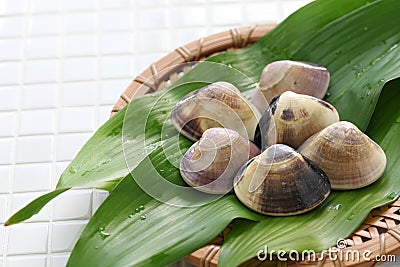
72,170
104,234
351,217
143,217
141,207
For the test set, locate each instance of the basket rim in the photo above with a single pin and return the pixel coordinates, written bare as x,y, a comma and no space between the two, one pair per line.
379,228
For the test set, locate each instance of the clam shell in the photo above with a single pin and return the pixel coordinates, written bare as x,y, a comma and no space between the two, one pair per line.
216,105
349,157
296,117
211,163
281,182
286,75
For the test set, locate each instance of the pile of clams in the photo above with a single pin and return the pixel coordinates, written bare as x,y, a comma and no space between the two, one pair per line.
283,151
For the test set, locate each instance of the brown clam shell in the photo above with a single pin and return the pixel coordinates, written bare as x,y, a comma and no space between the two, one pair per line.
348,157
215,105
296,117
287,75
211,163
281,182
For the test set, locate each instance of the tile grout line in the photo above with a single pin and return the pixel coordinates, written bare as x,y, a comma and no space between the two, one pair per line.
60,58
98,86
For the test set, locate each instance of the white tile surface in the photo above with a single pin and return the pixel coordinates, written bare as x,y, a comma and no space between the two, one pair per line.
189,16
9,98
29,238
34,149
79,69
68,145
59,260
7,122
12,26
73,205
11,7
32,177
77,5
226,14
115,20
3,208
2,240
152,18
78,94
80,45
10,72
65,235
31,261
39,96
115,67
41,71
4,179
44,24
76,120
34,122
262,12
115,3
80,22
154,41
45,6
116,42
6,148
43,47
11,49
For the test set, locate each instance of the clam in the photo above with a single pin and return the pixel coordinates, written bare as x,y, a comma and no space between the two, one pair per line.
211,163
349,157
281,182
286,75
215,105
296,117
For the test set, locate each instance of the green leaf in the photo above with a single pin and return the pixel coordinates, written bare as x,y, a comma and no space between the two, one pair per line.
340,214
34,207
121,234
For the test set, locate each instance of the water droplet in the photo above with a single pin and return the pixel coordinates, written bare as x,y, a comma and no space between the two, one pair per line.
328,94
101,228
96,247
381,82
365,28
338,52
143,217
137,210
351,217
141,207
130,216
106,161
392,196
72,170
337,206
104,234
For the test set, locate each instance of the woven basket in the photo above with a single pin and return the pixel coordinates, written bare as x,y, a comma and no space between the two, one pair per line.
380,232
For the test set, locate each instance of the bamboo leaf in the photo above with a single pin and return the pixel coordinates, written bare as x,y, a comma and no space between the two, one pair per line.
340,214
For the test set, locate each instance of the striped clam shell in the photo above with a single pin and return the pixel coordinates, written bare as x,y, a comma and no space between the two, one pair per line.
349,157
281,182
216,105
211,163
